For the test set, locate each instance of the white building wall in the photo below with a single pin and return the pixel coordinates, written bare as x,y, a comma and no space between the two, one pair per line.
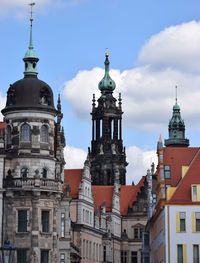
187,237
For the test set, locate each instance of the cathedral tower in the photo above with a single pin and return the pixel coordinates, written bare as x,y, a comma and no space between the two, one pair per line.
33,218
107,155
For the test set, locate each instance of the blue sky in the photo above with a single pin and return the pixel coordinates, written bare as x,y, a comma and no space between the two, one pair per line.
153,46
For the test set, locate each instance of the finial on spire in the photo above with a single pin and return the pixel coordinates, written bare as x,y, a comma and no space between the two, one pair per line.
30,57
106,54
176,93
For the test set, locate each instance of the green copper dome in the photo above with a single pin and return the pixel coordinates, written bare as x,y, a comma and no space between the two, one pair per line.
176,130
106,85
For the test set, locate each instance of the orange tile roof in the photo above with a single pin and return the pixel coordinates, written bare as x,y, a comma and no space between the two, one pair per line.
182,194
103,193
128,195
73,176
177,157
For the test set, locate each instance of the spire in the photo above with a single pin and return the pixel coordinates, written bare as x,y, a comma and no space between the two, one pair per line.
160,144
106,85
30,57
176,128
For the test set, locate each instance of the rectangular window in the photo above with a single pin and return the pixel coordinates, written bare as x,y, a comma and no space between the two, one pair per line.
167,172
197,215
83,248
44,256
104,253
62,224
62,258
21,256
195,253
45,221
135,233
134,257
123,256
180,253
182,221
141,230
23,220
194,188
154,198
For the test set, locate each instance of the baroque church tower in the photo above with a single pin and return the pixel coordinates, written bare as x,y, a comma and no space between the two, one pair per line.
176,129
107,155
34,218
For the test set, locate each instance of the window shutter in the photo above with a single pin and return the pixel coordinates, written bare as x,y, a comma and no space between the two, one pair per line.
193,222
177,222
184,253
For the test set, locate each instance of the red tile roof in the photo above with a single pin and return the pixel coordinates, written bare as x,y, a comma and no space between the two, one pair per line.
73,176
128,195
103,193
177,157
182,194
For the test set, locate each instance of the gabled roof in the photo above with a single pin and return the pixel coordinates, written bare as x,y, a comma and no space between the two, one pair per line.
73,176
103,193
182,194
177,157
128,195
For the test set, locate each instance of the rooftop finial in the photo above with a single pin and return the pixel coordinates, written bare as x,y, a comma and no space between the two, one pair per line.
30,57
176,93
106,54
31,20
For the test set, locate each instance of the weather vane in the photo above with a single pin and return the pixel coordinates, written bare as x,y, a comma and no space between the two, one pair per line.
31,5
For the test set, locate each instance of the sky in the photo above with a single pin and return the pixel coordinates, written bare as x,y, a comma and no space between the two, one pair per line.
153,46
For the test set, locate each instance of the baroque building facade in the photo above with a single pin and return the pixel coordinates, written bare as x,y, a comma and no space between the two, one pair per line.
35,212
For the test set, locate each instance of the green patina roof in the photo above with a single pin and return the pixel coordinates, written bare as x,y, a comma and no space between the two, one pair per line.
106,85
176,129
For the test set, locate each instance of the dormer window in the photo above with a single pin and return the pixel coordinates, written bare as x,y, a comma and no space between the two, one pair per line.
167,172
25,133
195,192
44,134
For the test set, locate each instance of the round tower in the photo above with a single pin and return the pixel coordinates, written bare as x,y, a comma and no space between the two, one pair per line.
33,167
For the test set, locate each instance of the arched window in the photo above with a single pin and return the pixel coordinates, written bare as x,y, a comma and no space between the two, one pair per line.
44,173
44,134
25,133
24,172
8,135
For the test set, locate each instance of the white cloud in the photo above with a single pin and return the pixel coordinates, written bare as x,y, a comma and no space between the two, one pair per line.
169,58
74,157
139,161
2,105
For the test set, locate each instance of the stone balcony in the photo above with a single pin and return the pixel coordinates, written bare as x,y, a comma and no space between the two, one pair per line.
30,183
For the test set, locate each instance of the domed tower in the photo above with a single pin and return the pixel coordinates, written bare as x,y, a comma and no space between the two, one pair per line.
107,155
33,168
176,130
